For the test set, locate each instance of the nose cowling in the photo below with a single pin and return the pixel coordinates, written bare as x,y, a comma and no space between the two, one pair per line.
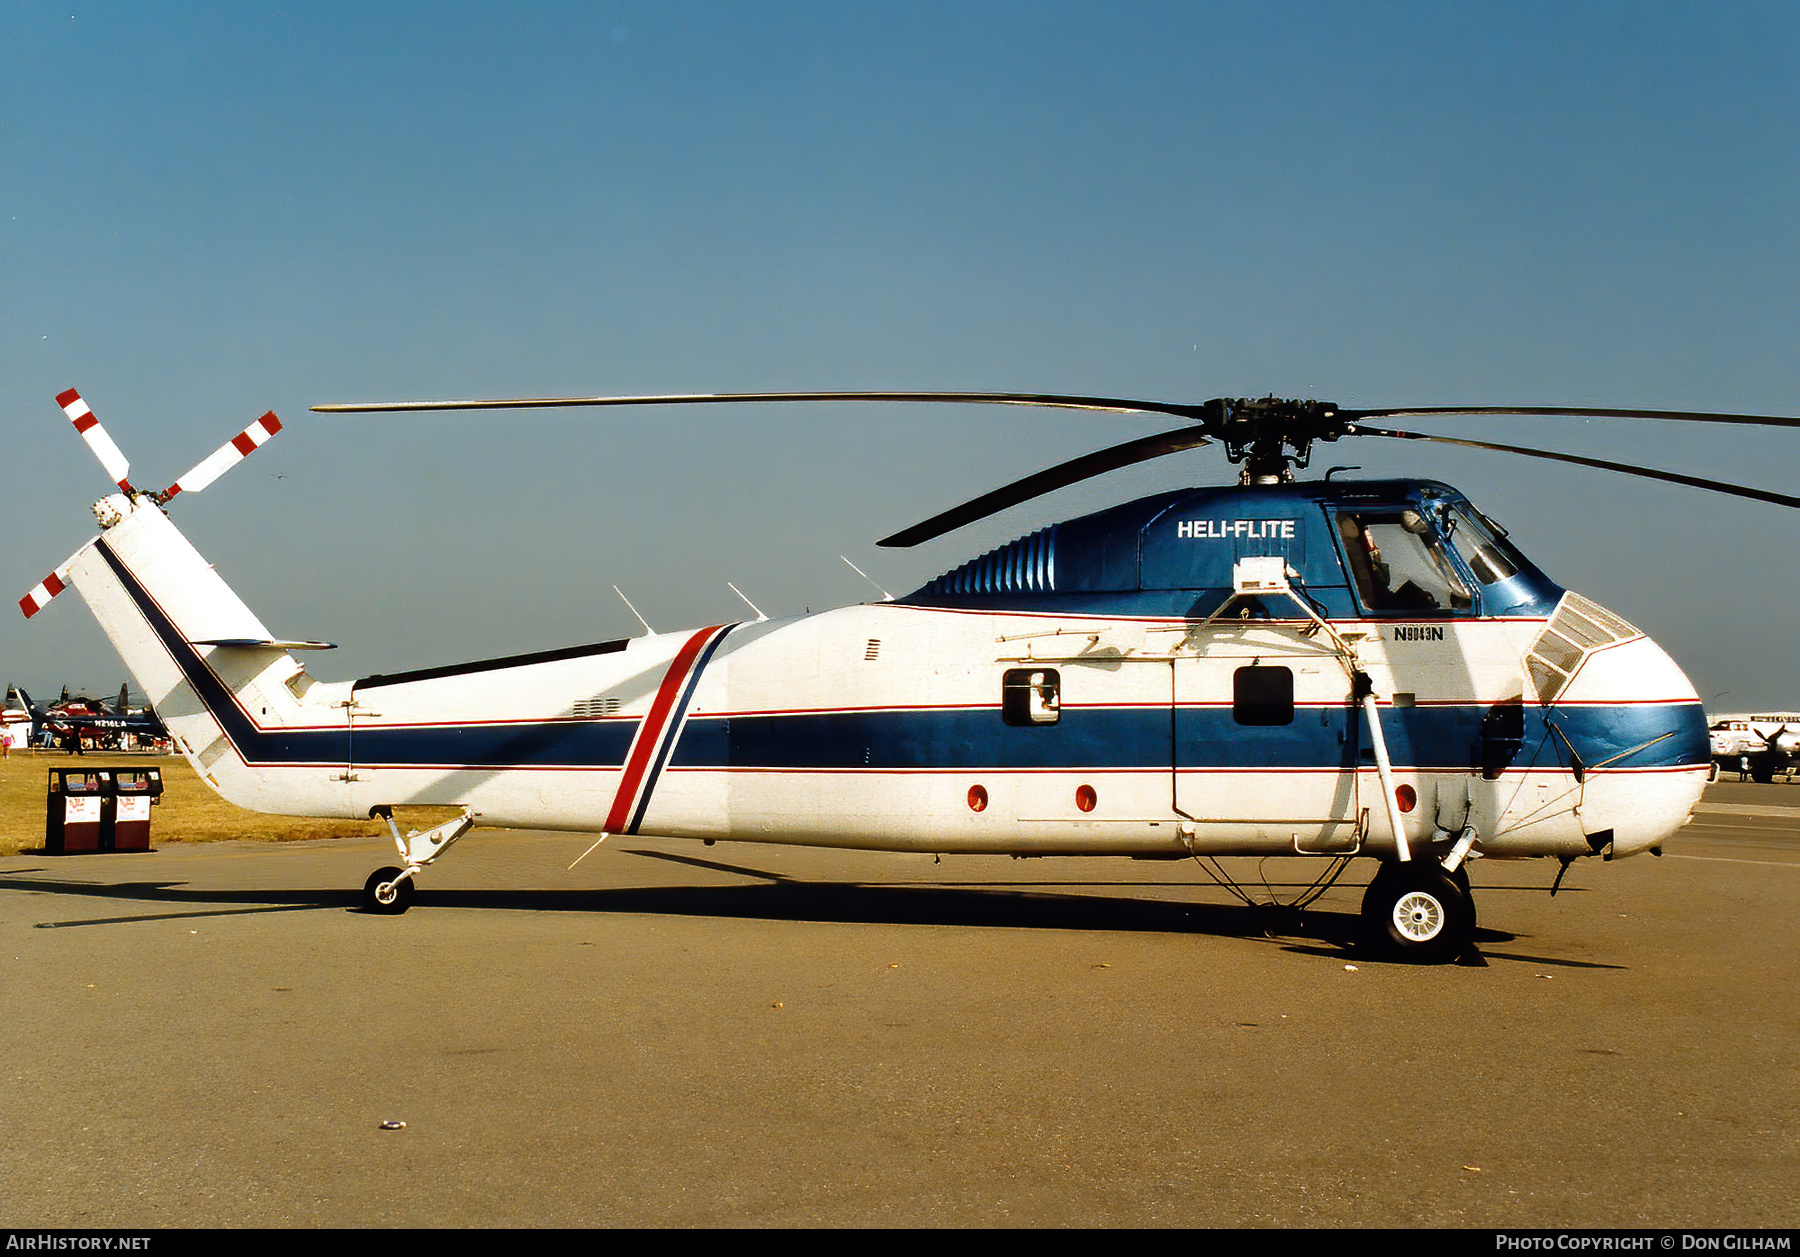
1651,749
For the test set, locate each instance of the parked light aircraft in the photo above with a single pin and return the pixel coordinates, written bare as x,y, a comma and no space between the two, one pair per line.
1328,668
1756,744
17,720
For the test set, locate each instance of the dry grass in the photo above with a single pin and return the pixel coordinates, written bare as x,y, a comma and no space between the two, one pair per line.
189,811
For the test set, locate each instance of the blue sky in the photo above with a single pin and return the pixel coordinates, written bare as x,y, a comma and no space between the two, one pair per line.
213,210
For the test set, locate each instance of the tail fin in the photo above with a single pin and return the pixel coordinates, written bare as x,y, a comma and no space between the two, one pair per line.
34,710
239,706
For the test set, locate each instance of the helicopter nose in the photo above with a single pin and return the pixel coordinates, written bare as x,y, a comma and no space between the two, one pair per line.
1651,748
1651,805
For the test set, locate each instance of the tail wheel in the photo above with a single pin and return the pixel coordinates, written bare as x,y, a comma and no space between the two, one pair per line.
386,893
1416,912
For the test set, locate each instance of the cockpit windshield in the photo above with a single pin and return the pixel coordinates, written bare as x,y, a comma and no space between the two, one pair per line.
1398,564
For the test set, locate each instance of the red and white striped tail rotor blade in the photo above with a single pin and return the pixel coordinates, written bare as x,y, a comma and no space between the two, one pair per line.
226,456
42,593
50,586
110,456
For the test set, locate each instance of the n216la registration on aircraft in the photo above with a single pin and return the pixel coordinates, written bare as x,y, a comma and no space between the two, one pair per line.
1322,667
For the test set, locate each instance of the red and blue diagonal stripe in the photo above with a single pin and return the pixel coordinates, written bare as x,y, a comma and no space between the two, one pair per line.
657,734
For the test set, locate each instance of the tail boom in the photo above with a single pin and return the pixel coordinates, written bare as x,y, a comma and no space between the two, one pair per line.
160,602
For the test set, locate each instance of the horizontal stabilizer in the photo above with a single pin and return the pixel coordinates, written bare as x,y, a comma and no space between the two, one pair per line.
266,643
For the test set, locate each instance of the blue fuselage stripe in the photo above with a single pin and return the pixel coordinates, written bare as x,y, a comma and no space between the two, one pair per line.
1446,738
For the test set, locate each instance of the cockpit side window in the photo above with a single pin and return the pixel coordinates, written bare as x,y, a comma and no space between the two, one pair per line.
1398,563
1489,556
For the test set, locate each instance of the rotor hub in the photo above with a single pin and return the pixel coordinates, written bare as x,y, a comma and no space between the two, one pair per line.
1270,436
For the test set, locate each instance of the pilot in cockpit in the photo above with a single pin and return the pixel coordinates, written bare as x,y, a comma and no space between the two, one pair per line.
1425,581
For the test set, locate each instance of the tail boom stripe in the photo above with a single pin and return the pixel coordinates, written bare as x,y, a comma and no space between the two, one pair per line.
674,730
650,734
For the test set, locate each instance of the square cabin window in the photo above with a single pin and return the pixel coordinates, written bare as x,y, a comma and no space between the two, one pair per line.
1031,696
1263,696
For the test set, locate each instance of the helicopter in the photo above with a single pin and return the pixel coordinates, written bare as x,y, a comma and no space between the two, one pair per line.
73,722
1335,669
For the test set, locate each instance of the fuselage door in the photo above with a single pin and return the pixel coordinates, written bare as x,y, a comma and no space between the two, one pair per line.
357,712
1264,736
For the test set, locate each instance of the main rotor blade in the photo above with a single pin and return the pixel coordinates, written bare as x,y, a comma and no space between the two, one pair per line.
1059,401
1062,401
1076,469
1577,412
1757,495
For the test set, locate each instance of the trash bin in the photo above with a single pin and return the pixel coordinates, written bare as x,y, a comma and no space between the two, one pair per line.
134,792
90,810
73,810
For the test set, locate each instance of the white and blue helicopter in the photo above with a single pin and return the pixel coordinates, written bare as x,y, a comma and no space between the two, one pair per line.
1328,668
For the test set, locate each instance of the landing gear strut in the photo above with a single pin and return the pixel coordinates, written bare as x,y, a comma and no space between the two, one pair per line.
1416,912
389,891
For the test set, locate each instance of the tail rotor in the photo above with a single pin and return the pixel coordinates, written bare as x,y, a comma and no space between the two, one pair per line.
118,467
52,585
111,457
224,458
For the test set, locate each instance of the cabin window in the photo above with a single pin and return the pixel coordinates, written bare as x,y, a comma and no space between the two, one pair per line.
1398,564
1263,696
1031,696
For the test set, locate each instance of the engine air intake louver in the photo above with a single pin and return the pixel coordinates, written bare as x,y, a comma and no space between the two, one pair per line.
1025,566
1578,628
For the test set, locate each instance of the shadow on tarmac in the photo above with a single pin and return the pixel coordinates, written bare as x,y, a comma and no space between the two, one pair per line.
1327,934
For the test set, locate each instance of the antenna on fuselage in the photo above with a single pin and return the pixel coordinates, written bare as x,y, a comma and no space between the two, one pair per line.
760,617
648,631
885,595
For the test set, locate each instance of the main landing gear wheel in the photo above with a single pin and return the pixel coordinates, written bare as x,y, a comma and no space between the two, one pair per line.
396,898
1416,912
1461,878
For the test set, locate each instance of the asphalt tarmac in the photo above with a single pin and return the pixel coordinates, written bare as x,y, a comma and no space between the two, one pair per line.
680,1035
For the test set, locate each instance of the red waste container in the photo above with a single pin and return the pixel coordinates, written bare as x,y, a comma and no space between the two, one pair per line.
73,810
134,791
89,810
